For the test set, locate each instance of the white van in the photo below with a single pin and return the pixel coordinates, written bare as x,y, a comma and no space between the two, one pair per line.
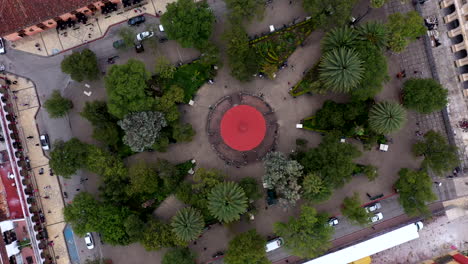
274,244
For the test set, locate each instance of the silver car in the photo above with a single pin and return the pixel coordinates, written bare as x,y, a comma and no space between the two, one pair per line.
145,35
373,207
376,217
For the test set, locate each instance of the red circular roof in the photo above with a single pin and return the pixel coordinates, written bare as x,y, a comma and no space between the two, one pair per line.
243,127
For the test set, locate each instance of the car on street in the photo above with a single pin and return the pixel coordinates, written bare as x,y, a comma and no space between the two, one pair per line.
135,21
44,138
161,28
144,35
118,44
2,46
333,221
373,207
89,241
139,47
274,244
376,217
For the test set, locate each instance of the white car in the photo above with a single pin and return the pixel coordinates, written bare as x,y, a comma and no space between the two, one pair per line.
333,221
89,241
373,207
161,28
274,244
45,142
376,217
145,35
2,46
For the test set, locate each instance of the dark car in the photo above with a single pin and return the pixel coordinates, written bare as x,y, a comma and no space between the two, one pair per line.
139,47
271,197
118,44
135,21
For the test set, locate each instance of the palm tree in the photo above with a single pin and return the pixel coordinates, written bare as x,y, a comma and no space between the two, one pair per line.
374,32
342,37
187,224
386,117
227,201
341,70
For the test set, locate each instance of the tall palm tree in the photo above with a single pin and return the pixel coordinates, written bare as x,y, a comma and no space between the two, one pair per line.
387,117
342,37
374,32
187,224
341,70
227,201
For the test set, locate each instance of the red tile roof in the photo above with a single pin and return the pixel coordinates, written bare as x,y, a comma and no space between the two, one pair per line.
18,14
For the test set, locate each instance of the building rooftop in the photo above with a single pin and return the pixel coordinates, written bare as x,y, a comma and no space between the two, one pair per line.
16,15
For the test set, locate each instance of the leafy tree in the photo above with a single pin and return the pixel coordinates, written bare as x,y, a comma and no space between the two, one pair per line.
370,172
282,175
187,224
210,55
314,189
81,65
126,89
182,132
57,106
386,117
161,144
245,9
109,134
404,28
250,187
377,3
128,36
204,179
157,235
169,175
67,157
340,37
179,256
143,179
353,211
308,235
242,59
330,12
188,22
164,68
247,247
134,227
166,104
111,224
227,201
341,70
332,160
142,129
424,95
96,113
415,189
439,156
82,214
374,32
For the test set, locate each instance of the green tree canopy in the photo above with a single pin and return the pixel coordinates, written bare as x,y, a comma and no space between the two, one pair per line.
142,129
424,95
128,36
439,156
164,68
374,32
245,9
387,117
182,132
341,70
282,175
339,37
247,247
134,227
111,224
329,13
308,235
415,190
404,28
227,201
188,23
179,255
67,157
83,213
315,189
126,89
81,65
157,235
143,179
332,160
353,211
377,3
57,106
250,187
187,224
105,125
166,104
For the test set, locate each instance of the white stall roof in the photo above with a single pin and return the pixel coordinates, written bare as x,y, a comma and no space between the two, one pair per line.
6,225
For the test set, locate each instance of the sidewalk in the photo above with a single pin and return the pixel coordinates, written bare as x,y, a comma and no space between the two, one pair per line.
47,188
51,42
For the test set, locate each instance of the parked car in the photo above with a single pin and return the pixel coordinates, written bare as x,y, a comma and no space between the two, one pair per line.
161,28
2,46
376,217
118,44
139,47
44,142
274,244
89,241
333,221
135,21
271,197
373,207
144,35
